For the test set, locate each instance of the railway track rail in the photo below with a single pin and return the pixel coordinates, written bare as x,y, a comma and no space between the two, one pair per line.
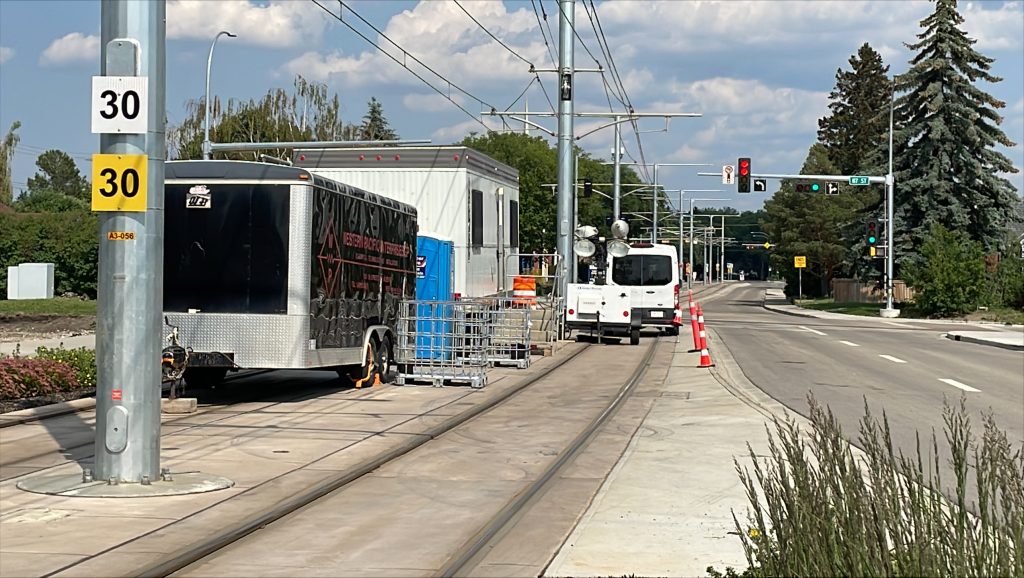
462,563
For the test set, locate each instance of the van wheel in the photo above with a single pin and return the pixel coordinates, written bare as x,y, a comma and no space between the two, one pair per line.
634,336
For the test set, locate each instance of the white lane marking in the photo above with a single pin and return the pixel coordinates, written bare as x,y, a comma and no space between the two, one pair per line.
894,323
957,384
849,343
811,330
892,359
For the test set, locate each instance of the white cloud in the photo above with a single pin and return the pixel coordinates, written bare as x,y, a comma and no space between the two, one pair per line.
431,102
441,36
1019,107
74,47
994,29
6,53
277,23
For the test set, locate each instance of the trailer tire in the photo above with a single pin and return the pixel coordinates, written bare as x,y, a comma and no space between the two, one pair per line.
634,336
386,360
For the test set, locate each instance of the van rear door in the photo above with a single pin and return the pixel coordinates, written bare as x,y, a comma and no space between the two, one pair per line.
651,280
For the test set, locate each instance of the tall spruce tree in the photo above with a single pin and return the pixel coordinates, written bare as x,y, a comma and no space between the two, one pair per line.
947,170
375,125
857,127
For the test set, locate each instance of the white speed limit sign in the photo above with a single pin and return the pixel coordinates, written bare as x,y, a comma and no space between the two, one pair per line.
120,104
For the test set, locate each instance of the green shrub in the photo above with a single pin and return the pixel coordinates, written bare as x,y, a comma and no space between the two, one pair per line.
814,511
81,360
951,279
22,377
68,240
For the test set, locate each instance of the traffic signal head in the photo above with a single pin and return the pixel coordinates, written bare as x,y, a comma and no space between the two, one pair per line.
872,232
808,187
743,176
588,187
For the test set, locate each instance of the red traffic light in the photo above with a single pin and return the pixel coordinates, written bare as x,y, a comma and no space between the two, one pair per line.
744,167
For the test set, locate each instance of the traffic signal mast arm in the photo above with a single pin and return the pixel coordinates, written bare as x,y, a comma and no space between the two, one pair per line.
825,178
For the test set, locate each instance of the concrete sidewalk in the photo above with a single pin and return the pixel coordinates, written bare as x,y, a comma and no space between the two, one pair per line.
667,507
1006,337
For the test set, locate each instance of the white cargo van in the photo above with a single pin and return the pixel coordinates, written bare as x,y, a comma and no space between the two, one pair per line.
652,274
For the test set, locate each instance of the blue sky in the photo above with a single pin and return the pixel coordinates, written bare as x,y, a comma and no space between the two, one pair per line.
760,72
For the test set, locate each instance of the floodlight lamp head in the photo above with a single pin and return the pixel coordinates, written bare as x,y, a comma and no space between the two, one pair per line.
586,232
584,248
620,229
618,248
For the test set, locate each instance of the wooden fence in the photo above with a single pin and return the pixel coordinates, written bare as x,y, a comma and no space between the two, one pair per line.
855,291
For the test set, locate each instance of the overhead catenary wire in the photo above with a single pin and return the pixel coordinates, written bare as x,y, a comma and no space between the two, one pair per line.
554,60
406,53
514,53
606,50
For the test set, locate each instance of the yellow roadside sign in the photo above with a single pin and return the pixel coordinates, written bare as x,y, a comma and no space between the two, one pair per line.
119,182
800,261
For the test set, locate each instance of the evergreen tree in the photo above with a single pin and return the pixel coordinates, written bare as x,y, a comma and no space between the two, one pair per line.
858,125
375,126
59,173
7,147
947,171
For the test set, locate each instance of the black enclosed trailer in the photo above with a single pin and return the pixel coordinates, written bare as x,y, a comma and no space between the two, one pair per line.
270,266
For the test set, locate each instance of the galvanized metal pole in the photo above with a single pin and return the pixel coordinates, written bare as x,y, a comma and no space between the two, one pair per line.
128,312
654,217
681,230
693,269
207,150
721,255
565,136
890,184
616,191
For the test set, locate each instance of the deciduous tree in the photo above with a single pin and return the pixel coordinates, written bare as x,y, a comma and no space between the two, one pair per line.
59,173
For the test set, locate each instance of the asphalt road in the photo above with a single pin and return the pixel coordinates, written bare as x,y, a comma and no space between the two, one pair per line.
905,369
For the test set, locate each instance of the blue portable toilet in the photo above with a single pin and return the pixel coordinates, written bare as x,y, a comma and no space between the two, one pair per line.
434,275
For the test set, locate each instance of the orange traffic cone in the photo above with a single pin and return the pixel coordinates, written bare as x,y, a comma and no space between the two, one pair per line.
693,325
705,358
700,328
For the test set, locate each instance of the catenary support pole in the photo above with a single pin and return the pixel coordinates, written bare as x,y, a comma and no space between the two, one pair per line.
128,312
565,138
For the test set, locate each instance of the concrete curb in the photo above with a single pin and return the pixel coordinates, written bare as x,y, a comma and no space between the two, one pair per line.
785,310
46,411
970,339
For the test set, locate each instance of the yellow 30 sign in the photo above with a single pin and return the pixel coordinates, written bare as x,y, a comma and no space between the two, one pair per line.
800,261
119,182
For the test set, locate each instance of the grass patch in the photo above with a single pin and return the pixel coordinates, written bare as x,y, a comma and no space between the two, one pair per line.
56,306
866,309
908,311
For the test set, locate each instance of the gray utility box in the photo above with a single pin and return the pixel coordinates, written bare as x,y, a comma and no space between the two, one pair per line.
30,281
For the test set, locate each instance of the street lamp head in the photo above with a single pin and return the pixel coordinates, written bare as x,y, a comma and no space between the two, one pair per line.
228,34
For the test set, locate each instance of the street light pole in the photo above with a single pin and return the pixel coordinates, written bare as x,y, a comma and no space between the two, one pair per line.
689,276
207,150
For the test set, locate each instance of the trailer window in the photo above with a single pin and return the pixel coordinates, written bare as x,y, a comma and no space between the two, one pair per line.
513,223
643,270
477,224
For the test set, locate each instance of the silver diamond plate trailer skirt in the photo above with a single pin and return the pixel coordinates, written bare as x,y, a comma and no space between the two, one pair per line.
271,341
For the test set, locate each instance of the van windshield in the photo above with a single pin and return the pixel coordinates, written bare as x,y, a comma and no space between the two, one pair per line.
642,270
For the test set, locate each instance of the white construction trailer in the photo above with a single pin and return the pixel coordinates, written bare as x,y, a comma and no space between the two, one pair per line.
459,193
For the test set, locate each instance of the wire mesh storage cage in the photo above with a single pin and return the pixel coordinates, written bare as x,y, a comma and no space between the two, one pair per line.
443,341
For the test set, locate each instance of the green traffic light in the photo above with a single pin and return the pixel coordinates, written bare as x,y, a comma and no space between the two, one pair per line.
815,187
871,240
